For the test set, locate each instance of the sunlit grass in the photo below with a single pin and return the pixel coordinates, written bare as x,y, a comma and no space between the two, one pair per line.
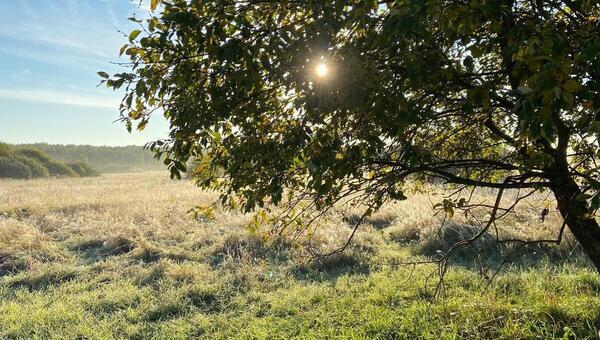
119,256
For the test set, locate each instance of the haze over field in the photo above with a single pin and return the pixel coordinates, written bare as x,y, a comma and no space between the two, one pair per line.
340,169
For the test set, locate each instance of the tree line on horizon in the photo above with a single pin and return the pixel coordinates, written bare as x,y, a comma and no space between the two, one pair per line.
106,159
30,162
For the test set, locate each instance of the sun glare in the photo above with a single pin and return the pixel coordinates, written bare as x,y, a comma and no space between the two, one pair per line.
322,70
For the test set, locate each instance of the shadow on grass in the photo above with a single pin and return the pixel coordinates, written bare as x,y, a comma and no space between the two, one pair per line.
332,267
10,264
167,311
208,300
250,248
98,249
377,221
487,252
43,280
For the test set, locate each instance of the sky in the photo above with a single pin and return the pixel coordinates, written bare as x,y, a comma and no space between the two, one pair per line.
50,53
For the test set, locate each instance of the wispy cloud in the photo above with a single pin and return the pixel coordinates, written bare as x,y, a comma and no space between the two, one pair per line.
21,74
76,28
50,51
55,57
62,97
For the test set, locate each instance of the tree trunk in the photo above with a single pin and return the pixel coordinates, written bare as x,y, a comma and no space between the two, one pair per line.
575,212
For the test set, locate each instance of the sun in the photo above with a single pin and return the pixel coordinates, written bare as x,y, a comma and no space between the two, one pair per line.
322,70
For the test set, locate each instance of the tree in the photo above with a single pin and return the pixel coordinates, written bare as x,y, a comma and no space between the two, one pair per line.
37,168
496,94
12,168
5,150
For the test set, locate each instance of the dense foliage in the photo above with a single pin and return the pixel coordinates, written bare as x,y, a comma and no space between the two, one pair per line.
103,158
37,167
498,94
26,163
12,168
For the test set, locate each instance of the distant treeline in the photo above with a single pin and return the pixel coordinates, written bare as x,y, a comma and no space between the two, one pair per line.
102,158
30,162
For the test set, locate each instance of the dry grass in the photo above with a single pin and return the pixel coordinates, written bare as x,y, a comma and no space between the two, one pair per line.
119,256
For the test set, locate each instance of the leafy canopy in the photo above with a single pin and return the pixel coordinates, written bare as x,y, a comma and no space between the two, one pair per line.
478,93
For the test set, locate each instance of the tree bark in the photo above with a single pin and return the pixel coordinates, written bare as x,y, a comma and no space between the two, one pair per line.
575,212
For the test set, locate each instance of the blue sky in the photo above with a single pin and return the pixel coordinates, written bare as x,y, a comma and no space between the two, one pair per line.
50,51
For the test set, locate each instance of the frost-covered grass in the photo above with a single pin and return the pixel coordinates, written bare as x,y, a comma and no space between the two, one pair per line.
119,257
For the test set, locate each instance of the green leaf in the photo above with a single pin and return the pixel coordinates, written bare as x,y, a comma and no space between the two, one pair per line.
476,51
595,126
122,50
583,197
568,98
142,125
571,86
524,89
103,74
134,34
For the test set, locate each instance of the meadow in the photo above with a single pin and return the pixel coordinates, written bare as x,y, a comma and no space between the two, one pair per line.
120,256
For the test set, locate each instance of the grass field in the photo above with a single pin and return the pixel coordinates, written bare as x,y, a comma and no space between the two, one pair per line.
119,257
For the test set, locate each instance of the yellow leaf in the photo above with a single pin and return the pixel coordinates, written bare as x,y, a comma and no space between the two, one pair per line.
154,4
